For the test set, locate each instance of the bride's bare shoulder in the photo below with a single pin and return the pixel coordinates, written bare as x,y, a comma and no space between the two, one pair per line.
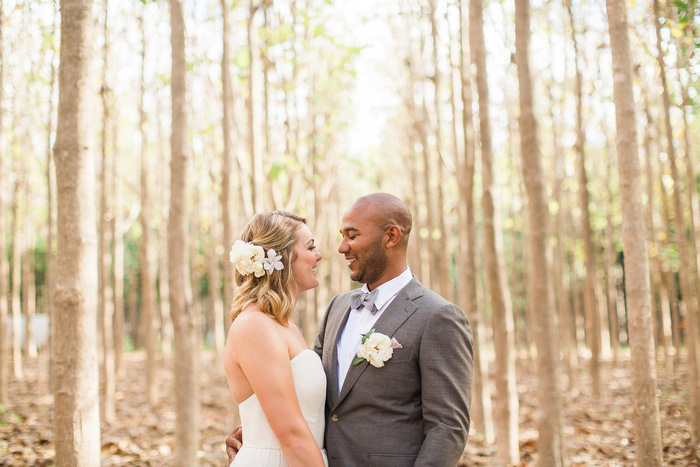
254,323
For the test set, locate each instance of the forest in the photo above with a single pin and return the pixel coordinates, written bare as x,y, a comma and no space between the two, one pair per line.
547,150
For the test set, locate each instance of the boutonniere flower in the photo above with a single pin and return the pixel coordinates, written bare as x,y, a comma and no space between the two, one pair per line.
376,348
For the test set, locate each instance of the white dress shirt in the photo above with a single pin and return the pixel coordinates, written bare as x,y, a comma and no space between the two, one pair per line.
362,320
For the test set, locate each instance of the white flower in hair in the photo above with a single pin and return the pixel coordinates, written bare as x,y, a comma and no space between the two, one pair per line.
247,258
273,261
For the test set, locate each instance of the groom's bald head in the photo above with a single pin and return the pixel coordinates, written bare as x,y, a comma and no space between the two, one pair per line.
385,210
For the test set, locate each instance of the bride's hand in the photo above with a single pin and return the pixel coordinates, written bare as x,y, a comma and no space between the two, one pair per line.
234,442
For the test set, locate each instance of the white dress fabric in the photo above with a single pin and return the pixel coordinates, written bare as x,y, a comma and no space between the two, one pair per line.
260,446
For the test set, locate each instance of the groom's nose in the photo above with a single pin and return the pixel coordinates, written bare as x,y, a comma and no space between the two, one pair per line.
343,247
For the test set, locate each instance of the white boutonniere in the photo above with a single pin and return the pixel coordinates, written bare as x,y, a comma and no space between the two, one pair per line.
376,348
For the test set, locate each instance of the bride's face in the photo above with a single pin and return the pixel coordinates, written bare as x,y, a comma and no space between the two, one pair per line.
307,256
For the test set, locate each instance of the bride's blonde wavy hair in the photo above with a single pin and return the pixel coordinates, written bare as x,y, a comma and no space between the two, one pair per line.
271,291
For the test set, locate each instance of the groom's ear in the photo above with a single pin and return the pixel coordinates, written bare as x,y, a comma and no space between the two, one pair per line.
392,236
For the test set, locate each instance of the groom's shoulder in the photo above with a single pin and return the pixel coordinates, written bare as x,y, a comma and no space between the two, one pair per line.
426,296
340,299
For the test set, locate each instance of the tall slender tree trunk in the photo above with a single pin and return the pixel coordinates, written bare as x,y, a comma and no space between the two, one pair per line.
216,306
482,415
506,408
76,410
227,163
118,266
16,265
184,320
590,307
657,273
148,276
51,201
550,418
166,324
670,277
256,171
658,281
688,148
566,326
106,294
4,267
687,292
646,406
609,255
28,287
442,256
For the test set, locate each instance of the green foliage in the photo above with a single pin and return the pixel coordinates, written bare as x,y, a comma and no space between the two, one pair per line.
278,167
241,59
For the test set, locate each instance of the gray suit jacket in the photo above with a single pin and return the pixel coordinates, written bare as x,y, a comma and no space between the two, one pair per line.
415,409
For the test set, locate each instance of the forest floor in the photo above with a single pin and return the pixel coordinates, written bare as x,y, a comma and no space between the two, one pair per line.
596,434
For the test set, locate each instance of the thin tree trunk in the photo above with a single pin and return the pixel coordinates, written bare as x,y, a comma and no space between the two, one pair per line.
28,287
118,230
217,305
51,201
4,266
106,297
670,278
184,319
609,257
549,425
591,313
16,265
166,324
482,416
227,163
646,406
148,277
566,326
693,202
506,408
657,279
256,175
682,244
442,256
76,407
426,266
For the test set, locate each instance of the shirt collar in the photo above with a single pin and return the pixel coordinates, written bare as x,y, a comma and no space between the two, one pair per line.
390,288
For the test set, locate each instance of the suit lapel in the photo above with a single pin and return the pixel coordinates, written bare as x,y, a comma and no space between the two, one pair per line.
340,314
388,323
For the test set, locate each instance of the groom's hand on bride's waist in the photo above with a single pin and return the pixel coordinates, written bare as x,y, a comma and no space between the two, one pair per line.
234,442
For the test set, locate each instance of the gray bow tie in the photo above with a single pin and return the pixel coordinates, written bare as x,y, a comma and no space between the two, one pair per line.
360,298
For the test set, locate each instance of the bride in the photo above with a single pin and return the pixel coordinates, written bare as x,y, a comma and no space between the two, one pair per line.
278,382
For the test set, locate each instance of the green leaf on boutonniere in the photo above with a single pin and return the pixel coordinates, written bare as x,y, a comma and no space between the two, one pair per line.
359,360
366,336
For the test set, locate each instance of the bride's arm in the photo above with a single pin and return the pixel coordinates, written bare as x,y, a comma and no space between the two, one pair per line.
256,346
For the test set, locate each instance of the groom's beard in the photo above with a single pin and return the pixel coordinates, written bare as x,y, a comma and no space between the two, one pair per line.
371,265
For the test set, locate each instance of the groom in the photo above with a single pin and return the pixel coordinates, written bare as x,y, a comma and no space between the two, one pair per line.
413,407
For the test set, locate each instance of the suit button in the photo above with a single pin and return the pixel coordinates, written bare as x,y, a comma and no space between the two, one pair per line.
334,418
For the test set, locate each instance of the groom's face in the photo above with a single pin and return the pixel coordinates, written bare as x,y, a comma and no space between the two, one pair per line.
362,245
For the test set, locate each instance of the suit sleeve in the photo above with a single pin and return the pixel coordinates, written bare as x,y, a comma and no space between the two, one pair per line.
318,344
446,365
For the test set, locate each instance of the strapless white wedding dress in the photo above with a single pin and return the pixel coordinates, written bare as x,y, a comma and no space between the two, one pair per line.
260,447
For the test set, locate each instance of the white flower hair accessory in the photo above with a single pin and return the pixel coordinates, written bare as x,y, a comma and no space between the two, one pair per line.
273,262
249,258
376,348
